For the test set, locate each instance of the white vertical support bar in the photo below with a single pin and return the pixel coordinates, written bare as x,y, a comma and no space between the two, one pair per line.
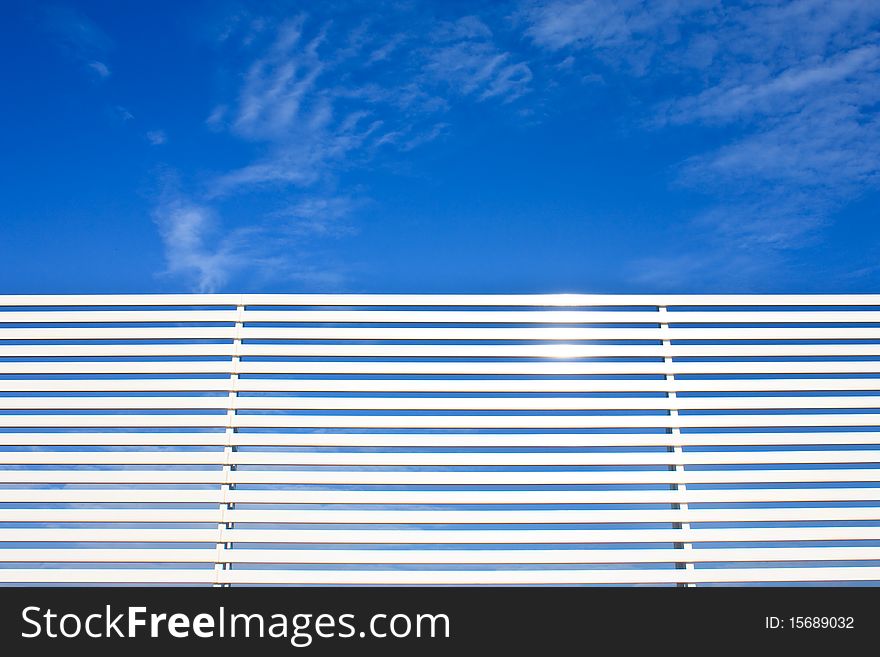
675,447
229,446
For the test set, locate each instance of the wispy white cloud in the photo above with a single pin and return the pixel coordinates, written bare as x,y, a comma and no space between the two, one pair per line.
319,216
768,94
276,85
830,145
201,249
193,248
299,134
122,113
464,56
713,268
291,102
79,37
305,155
793,85
385,50
100,68
156,137
626,33
317,99
809,143
590,24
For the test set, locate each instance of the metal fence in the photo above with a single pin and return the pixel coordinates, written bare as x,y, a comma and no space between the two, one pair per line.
439,439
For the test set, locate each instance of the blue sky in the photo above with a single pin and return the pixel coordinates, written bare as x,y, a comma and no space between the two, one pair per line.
629,146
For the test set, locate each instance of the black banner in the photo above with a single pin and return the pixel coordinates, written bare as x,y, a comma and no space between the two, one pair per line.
276,621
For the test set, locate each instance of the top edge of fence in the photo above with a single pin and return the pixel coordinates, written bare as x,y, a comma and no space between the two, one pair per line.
528,300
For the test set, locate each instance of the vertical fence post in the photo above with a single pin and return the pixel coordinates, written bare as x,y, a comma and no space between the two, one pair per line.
222,561
675,448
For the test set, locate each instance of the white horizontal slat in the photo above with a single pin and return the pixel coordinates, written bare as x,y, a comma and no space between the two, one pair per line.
439,385
153,576
552,516
547,440
98,555
140,403
115,350
61,300
113,438
128,476
441,403
301,556
465,478
124,385
118,316
552,478
544,577
442,421
74,496
546,334
546,385
445,577
533,459
106,367
441,368
438,317
214,420
792,332
566,351
553,369
540,536
464,578
558,317
128,535
569,403
106,300
561,299
554,497
547,556
512,517
438,497
134,515
442,537
420,334
123,333
438,459
495,421
117,458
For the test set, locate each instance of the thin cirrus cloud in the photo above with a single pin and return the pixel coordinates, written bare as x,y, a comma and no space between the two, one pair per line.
464,56
297,105
79,38
297,98
320,216
200,249
100,68
785,93
316,100
794,87
811,139
156,137
186,230
796,83
630,34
